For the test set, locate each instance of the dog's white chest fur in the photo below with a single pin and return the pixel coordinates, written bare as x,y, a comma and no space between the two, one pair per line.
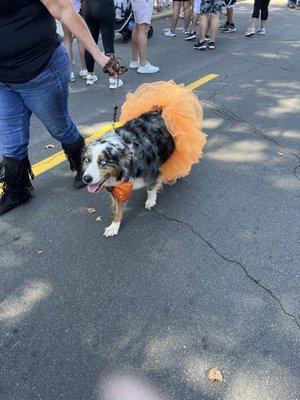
138,183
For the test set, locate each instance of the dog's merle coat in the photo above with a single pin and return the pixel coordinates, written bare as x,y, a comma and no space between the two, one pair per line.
139,147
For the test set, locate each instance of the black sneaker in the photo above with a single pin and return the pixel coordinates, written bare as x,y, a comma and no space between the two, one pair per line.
191,36
200,46
211,45
224,26
207,38
229,28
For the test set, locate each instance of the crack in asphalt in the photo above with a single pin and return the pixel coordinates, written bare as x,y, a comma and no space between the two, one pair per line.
231,116
297,172
235,262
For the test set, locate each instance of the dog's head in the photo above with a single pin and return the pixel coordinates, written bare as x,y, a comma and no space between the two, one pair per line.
105,163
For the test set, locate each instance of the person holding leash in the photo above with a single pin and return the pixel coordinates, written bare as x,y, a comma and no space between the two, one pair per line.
34,78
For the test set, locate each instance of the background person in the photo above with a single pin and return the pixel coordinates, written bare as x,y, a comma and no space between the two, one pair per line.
210,11
260,8
100,17
175,16
68,39
142,10
229,25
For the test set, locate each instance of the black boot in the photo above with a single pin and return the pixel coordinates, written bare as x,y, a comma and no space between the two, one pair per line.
74,153
15,178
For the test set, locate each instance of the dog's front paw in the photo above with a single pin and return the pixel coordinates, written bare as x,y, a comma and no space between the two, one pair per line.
150,203
112,230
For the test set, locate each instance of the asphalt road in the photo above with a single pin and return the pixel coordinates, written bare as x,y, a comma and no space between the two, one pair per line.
210,278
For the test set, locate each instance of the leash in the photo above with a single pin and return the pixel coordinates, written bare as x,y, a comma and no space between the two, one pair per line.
122,68
116,106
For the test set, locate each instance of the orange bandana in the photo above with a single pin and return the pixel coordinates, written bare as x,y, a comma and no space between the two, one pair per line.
122,191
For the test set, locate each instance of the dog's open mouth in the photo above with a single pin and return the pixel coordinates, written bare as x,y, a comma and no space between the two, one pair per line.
96,186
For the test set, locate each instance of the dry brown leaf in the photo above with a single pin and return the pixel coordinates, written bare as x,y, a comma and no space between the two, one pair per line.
99,219
49,146
214,374
91,210
280,154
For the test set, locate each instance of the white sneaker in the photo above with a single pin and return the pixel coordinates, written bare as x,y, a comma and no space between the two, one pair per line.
250,32
169,33
261,31
83,73
91,79
134,64
72,77
147,69
114,83
186,32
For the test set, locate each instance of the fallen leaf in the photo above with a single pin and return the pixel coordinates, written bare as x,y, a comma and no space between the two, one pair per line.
280,154
99,219
91,210
49,146
214,374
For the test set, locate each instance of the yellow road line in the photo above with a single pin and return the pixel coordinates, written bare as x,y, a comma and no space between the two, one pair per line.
56,159
201,81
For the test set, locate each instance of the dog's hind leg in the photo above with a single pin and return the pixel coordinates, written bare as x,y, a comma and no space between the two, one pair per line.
152,193
113,228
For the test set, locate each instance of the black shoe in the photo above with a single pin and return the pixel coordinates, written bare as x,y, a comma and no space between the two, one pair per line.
224,26
74,153
200,46
191,36
15,176
211,45
229,28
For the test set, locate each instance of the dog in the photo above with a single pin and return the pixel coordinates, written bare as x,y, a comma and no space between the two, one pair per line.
132,153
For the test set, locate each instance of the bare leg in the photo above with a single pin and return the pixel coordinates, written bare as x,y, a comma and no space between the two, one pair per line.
113,228
263,23
195,20
230,15
187,14
139,48
175,15
203,27
134,43
81,50
214,27
254,22
68,38
152,194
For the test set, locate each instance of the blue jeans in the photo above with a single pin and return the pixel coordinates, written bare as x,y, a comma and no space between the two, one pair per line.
46,96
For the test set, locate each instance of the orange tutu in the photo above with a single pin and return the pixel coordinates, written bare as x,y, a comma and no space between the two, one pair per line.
183,117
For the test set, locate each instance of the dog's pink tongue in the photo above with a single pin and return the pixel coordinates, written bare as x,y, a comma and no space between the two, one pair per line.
93,188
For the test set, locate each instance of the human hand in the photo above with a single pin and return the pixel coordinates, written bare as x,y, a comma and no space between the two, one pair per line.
113,67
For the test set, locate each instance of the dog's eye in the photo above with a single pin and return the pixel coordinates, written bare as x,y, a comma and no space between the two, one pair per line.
103,162
86,160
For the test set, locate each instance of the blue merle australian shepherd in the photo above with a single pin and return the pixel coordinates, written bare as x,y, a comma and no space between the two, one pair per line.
133,153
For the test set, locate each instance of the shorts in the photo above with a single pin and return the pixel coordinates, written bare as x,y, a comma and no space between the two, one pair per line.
76,5
142,11
229,3
197,4
211,7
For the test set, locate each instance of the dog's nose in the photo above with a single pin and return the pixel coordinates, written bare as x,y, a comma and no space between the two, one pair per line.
87,179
